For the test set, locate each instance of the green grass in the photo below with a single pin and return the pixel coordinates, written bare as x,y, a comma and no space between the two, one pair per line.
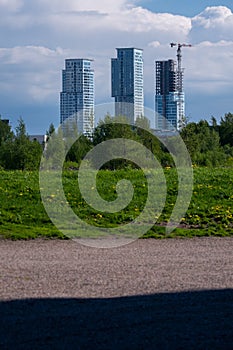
22,214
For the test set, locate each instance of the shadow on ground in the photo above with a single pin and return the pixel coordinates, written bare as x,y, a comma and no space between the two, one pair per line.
187,320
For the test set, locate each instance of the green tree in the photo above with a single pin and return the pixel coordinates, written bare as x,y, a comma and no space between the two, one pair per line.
18,152
79,149
226,130
146,136
50,131
113,128
6,137
203,144
143,123
54,153
21,146
5,131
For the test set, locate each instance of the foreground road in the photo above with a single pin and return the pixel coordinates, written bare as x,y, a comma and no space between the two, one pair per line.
150,294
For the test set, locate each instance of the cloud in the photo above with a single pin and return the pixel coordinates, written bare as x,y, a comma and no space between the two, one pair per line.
154,44
30,73
24,55
214,23
138,19
212,17
60,6
210,66
10,5
75,16
37,36
89,29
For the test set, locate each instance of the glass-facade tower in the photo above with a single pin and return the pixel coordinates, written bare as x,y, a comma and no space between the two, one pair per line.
169,101
77,96
127,83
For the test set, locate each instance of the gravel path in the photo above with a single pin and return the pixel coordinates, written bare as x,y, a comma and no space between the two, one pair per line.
174,293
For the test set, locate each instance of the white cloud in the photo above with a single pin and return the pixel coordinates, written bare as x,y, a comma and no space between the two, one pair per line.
75,16
214,23
104,6
10,5
209,67
138,19
30,34
95,34
27,54
154,44
32,72
212,17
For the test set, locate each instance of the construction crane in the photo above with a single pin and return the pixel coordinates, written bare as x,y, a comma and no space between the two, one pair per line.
180,81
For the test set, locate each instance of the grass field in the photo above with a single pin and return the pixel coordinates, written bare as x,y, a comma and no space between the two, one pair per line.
22,214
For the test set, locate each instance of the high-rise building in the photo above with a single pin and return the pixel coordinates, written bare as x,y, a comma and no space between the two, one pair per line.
77,96
169,101
127,83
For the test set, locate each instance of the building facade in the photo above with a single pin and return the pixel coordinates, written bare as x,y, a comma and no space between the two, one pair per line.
77,96
127,83
169,101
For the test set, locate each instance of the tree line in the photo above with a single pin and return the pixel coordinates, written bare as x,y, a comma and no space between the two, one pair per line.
208,143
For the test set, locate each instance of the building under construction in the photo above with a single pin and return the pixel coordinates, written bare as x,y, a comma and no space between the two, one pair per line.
166,96
169,94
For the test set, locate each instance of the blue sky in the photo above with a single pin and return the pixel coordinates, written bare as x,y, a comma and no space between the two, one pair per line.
183,7
37,36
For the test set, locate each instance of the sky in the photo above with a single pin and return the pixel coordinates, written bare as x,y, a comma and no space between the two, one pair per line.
36,36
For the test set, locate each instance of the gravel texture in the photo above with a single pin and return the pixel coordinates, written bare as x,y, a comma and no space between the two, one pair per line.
150,294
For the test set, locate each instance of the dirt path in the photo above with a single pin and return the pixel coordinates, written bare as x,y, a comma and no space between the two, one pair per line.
148,294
